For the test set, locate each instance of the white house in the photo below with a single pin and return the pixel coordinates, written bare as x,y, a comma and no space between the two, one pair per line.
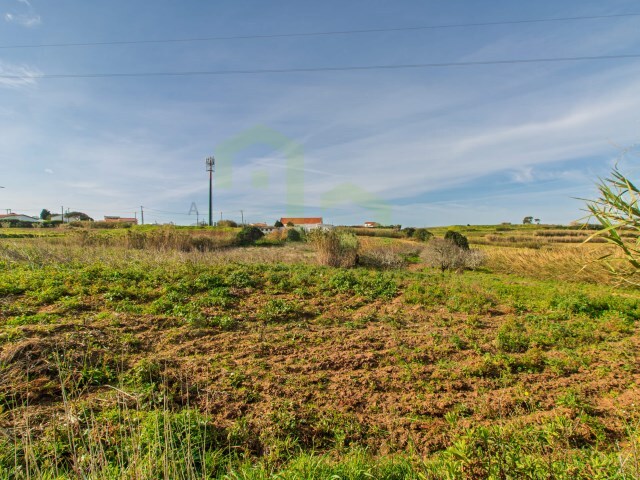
307,224
18,217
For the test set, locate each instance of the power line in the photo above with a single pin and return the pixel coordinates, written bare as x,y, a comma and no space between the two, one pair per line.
325,33
323,69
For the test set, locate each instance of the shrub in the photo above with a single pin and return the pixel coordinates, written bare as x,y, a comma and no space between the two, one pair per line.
293,235
422,234
381,257
333,248
227,223
447,255
408,232
457,238
249,235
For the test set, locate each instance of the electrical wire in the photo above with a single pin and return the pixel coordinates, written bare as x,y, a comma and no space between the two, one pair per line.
325,33
323,69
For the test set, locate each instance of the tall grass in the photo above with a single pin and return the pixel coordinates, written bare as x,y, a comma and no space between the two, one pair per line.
571,262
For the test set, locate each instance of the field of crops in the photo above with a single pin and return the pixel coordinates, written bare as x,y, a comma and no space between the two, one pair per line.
124,356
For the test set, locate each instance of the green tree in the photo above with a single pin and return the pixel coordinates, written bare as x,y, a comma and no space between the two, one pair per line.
45,214
278,224
527,220
81,215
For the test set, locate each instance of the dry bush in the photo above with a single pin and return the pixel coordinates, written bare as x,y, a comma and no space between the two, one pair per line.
446,255
384,253
381,257
334,248
276,236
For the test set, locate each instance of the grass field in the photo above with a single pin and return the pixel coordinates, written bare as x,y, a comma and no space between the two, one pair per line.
123,358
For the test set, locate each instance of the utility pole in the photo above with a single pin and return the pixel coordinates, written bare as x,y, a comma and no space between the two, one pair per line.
142,214
220,216
211,164
62,217
242,214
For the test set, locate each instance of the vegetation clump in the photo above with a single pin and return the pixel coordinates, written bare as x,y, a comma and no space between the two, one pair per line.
446,254
457,238
249,236
294,235
334,248
227,223
617,209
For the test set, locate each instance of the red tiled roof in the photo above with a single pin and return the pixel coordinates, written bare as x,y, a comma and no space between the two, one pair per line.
121,219
302,221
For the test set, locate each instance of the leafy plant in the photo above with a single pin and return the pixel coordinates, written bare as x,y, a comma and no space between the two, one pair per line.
617,209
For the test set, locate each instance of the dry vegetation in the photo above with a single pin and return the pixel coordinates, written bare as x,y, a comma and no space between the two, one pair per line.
151,360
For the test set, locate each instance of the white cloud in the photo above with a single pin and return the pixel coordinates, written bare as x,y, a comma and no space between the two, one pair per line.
49,171
17,76
27,19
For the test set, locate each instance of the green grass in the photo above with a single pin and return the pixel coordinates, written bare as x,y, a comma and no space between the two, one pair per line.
122,364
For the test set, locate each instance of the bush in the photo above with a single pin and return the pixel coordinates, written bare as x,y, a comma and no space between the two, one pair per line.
457,238
249,235
408,232
294,235
447,255
227,223
381,257
333,248
422,234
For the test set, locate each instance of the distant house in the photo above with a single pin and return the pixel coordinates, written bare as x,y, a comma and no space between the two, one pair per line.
113,219
371,224
309,223
264,228
18,217
60,218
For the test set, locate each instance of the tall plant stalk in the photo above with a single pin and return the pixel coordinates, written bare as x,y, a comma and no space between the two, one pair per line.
617,209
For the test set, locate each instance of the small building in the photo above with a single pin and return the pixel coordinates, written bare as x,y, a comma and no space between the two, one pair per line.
113,219
18,217
308,223
371,224
264,228
66,219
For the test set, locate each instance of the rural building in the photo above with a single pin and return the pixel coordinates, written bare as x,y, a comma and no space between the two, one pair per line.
371,224
60,218
264,228
18,217
113,219
309,223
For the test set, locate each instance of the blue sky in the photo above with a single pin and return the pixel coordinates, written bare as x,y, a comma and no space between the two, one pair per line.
423,146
